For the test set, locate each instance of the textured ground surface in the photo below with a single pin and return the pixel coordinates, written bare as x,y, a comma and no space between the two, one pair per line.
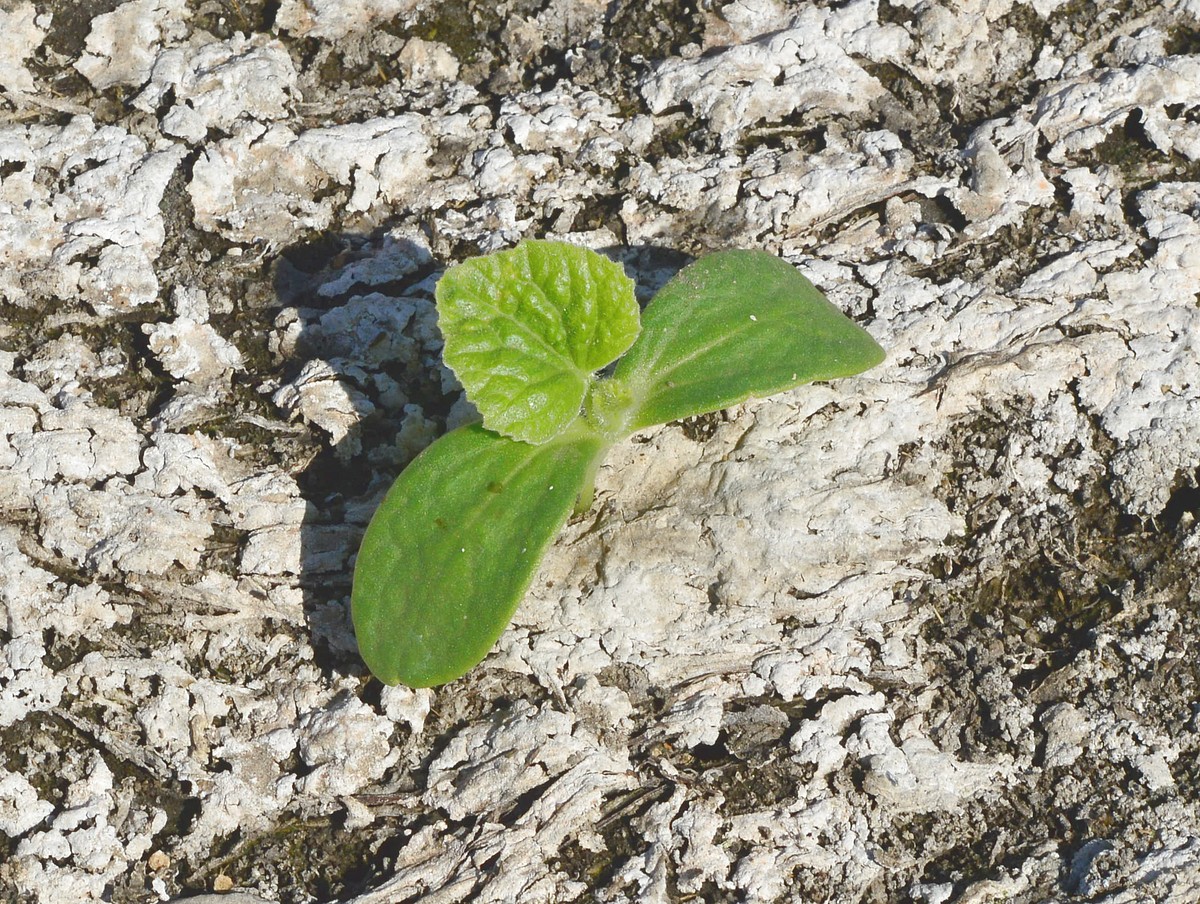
925,635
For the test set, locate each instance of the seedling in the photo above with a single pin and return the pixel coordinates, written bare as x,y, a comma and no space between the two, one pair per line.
456,542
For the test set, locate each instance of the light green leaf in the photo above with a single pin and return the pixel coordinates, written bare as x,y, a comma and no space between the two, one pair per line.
452,549
732,325
526,328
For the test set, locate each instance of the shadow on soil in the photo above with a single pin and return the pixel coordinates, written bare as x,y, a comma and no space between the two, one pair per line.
323,283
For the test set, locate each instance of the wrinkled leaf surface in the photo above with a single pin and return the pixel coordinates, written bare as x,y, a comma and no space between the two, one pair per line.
526,328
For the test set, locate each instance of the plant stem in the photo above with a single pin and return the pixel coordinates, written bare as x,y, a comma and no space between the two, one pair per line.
587,494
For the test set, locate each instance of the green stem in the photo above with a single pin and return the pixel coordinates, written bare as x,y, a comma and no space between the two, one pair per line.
587,494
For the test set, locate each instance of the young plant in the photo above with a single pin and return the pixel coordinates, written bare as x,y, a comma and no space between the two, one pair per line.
456,542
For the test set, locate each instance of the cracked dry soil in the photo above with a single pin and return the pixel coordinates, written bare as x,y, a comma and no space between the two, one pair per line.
924,635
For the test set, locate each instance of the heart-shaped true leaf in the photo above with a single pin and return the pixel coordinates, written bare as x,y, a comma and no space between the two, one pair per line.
452,549
732,325
525,329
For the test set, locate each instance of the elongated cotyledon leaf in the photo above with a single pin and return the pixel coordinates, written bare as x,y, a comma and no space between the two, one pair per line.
525,329
455,544
732,325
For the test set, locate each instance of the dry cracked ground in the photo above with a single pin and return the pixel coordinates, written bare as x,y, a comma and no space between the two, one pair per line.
929,634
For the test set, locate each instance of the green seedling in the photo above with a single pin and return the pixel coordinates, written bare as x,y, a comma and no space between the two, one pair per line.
456,542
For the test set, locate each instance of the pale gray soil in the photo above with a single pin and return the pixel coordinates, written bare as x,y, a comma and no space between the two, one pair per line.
928,634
